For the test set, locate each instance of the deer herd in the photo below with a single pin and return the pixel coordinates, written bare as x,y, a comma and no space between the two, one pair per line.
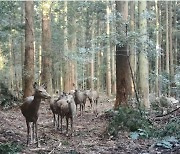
62,105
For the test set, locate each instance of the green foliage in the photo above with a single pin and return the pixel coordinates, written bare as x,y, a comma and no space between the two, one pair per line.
10,148
127,118
170,129
7,99
140,127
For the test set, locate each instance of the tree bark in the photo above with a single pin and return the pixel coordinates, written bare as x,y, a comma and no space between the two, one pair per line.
108,56
122,63
143,59
132,52
157,50
29,49
46,47
167,45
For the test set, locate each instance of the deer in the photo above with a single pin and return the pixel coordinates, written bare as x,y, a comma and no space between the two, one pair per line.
80,98
30,108
66,107
93,97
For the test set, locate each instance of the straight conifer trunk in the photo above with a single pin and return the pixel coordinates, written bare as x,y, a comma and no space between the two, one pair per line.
143,59
46,47
29,50
123,77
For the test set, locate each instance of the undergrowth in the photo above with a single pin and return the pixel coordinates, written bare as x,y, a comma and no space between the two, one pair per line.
131,120
127,119
10,148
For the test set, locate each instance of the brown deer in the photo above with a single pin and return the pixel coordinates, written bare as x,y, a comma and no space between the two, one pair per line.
30,109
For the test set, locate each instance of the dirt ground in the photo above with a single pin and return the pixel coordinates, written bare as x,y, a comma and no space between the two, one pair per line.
87,138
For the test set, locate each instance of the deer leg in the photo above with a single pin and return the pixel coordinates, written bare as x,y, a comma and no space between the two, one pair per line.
91,103
33,133
81,109
61,124
54,122
96,107
58,122
28,127
38,145
67,121
71,125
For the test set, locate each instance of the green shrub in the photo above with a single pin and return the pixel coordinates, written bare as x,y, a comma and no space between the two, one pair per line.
127,118
170,129
10,148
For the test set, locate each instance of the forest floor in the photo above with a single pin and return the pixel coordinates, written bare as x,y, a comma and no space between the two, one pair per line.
87,139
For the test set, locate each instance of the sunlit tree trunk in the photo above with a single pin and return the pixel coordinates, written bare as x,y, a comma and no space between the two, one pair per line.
113,53
108,56
160,51
175,36
46,47
171,55
157,49
123,80
92,53
98,57
22,44
73,47
167,45
40,63
11,72
87,47
29,49
66,76
143,59
132,51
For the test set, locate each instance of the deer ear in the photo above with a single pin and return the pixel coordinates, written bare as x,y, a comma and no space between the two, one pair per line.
35,85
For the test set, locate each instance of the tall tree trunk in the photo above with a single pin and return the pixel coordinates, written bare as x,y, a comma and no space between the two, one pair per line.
122,65
22,44
160,46
46,47
157,49
66,78
87,46
143,59
175,36
29,49
113,54
132,53
108,56
73,48
98,57
171,55
11,72
167,45
92,55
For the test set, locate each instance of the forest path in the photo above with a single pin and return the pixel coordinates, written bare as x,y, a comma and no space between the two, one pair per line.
87,138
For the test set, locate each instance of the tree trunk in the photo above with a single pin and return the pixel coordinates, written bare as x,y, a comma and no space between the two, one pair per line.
171,55
143,59
122,65
29,49
66,69
167,45
46,47
108,56
22,44
92,55
132,53
157,49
